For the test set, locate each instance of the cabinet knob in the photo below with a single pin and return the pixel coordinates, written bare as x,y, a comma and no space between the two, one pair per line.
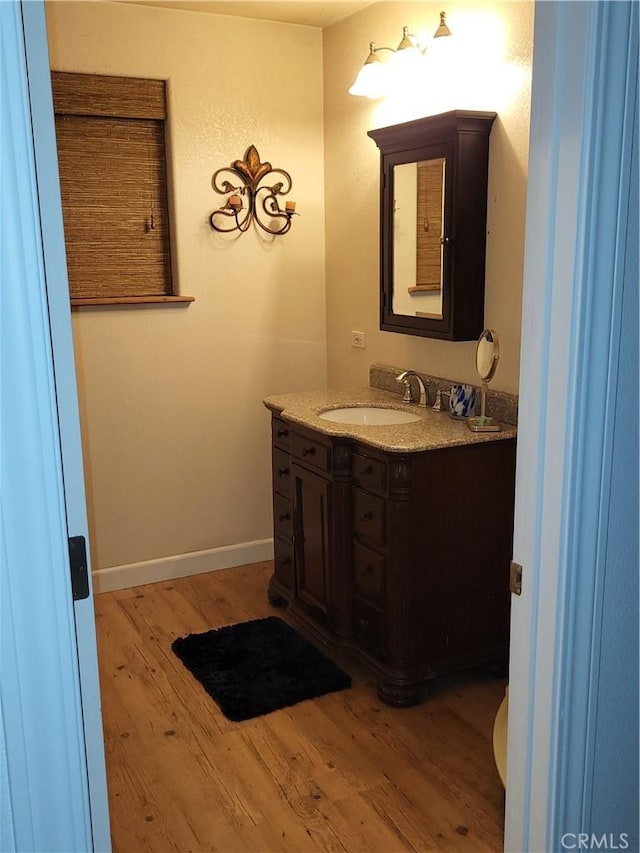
309,451
284,517
363,623
366,516
283,472
286,561
282,433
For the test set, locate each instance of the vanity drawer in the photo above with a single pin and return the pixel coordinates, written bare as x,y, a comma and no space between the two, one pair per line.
282,516
283,562
368,517
280,432
368,626
311,452
369,473
368,573
281,468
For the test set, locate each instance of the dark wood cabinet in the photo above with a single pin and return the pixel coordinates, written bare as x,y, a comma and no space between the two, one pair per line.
459,142
401,558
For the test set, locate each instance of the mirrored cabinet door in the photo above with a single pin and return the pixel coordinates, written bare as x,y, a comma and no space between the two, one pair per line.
433,190
419,236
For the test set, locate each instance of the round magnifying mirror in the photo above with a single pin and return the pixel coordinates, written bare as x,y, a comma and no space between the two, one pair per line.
487,355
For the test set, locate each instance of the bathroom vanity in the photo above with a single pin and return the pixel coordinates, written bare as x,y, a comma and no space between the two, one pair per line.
393,541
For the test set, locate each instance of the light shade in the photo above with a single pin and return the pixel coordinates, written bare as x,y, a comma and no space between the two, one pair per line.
405,65
371,81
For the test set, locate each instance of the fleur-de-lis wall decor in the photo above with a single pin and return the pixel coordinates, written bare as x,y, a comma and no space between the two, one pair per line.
248,201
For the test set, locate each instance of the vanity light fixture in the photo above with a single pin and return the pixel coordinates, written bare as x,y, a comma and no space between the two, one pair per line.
245,204
375,77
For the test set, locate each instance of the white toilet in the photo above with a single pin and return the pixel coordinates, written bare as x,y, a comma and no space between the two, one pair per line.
500,737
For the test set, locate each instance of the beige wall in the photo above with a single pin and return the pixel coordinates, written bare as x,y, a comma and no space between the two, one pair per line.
492,33
176,439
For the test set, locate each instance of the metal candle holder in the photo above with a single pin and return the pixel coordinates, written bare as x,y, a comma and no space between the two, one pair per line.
248,201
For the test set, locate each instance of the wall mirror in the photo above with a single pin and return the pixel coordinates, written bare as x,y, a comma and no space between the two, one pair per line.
433,209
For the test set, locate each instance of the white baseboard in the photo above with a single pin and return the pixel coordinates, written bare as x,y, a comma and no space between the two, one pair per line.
181,565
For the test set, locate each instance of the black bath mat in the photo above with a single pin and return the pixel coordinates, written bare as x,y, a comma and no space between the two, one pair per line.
256,667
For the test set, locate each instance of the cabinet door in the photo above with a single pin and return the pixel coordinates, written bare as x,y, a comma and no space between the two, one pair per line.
312,507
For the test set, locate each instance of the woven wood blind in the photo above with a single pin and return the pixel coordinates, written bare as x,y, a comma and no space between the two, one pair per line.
97,95
429,221
113,184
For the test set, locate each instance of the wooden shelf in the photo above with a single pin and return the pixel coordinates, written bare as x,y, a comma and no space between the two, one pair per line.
424,288
130,300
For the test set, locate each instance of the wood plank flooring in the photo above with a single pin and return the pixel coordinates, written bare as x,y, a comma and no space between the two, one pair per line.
340,773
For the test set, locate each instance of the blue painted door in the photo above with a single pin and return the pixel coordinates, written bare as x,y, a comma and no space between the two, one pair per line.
572,774
52,770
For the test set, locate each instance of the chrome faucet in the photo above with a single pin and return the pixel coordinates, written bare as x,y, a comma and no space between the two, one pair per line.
404,379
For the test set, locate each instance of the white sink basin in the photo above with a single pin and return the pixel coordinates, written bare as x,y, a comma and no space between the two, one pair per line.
368,416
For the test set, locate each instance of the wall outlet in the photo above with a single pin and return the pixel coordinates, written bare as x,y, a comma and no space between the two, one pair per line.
358,339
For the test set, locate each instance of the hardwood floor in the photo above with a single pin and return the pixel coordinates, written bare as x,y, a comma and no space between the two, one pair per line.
343,772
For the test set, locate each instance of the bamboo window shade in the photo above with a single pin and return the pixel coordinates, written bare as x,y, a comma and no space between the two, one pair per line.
430,191
111,154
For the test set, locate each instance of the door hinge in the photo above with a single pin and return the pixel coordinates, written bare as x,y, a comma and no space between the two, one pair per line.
79,569
515,578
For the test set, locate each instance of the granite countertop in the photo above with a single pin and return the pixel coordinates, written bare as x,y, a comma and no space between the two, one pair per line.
433,430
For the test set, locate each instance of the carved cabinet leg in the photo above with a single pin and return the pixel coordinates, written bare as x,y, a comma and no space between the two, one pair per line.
276,599
400,697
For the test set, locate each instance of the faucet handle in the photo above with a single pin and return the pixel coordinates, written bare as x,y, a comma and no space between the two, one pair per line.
441,403
403,378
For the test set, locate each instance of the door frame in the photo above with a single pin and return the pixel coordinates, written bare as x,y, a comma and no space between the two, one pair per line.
44,755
